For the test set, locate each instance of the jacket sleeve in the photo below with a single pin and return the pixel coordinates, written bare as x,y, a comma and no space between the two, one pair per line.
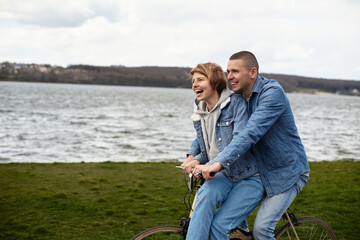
194,148
196,152
271,104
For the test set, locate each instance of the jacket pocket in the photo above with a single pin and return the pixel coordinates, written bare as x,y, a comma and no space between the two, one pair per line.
226,129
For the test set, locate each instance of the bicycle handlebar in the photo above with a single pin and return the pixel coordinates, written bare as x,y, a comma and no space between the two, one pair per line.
197,173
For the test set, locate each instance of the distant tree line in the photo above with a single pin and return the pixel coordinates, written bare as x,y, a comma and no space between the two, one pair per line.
175,77
293,83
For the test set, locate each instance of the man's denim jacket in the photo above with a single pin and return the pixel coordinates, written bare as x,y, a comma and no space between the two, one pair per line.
232,118
272,135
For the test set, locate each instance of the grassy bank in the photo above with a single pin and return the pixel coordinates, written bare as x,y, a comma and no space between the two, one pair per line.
118,200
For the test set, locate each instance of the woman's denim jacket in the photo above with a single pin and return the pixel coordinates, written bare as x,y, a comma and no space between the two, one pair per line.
232,118
272,135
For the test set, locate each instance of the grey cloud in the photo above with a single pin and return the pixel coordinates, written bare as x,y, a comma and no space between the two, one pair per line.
111,11
56,15
53,21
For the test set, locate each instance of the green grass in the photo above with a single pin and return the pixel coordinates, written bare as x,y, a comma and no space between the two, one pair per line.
118,200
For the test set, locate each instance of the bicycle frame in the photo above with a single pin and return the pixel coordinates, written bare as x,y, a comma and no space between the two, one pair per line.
190,187
290,220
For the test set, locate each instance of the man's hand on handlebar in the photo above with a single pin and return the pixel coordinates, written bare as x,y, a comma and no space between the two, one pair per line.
207,171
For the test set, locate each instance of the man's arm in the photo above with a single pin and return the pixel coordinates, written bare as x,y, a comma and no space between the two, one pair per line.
271,104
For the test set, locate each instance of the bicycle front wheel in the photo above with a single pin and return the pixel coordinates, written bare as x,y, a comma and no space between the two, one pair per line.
307,228
161,232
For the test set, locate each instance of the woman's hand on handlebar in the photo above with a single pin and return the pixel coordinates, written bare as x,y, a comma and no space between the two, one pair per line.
189,159
189,166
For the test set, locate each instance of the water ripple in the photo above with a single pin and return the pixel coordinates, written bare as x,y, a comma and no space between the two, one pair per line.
75,123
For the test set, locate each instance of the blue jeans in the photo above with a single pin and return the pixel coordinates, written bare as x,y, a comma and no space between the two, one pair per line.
237,201
272,208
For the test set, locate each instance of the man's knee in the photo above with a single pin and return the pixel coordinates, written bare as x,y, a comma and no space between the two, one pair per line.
264,228
262,231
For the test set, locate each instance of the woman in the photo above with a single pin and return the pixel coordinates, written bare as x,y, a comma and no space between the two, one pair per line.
218,115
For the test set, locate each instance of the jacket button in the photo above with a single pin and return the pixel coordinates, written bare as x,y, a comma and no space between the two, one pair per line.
238,155
220,139
218,124
228,164
227,123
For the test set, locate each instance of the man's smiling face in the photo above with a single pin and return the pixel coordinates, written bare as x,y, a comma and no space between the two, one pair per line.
241,79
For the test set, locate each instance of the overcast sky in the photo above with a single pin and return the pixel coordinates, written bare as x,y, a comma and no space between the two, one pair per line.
314,38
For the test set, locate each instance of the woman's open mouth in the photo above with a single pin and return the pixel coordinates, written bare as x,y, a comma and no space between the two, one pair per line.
198,92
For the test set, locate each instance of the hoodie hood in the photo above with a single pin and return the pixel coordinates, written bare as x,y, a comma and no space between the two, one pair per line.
200,109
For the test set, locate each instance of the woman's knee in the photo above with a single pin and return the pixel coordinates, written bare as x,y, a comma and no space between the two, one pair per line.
214,190
208,195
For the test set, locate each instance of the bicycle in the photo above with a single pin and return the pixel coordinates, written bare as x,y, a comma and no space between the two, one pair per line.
303,228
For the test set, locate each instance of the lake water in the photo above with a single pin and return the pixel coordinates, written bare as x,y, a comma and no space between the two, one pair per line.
91,123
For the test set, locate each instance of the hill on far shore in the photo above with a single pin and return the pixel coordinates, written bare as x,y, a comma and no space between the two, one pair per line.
154,76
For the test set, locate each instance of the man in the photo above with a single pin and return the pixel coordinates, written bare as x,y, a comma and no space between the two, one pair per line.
272,136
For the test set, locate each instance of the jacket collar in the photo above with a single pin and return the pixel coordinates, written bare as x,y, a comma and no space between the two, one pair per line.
257,85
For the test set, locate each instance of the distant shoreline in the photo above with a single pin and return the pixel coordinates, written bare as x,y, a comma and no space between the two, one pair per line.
313,91
152,76
305,91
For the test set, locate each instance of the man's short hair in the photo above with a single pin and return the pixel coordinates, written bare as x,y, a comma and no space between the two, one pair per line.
248,58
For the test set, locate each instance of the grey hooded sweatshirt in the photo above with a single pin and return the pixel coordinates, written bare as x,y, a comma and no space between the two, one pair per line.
208,121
